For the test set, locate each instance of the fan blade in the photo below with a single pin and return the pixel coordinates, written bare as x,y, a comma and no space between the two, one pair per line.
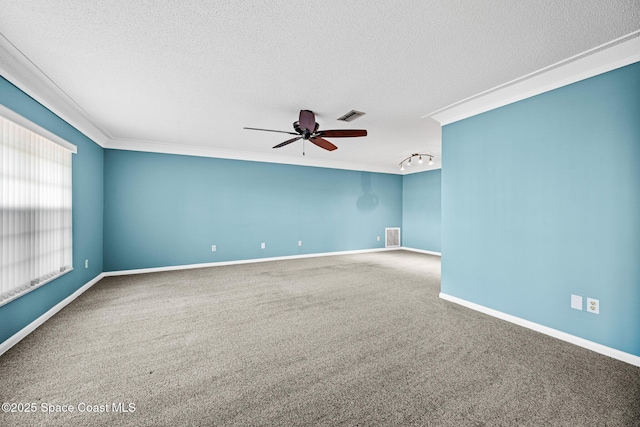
287,142
323,143
342,133
271,130
307,120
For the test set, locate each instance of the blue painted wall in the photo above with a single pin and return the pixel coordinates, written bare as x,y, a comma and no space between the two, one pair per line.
421,217
87,170
541,200
164,210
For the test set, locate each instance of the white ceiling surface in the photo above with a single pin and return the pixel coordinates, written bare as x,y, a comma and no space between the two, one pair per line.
173,75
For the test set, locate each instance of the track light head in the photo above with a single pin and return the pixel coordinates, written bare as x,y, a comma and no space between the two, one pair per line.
407,162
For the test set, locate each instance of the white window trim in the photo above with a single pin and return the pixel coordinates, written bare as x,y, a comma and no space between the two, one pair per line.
39,130
18,293
28,124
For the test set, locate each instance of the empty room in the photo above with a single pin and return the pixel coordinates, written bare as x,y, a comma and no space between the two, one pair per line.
320,213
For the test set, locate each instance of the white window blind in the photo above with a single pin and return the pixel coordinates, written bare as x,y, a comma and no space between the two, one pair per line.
35,198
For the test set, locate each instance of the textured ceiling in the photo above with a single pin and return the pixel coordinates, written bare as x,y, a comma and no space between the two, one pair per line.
195,72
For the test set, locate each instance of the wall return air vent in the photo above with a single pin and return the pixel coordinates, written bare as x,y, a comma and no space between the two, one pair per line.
392,237
351,116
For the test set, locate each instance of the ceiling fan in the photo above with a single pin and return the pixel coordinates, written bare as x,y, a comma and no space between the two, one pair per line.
306,128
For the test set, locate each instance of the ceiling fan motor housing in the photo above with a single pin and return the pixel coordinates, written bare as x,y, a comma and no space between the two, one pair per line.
307,128
306,134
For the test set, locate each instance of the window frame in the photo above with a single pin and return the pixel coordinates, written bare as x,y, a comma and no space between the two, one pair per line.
27,124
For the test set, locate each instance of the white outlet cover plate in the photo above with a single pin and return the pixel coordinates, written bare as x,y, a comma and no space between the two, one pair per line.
262,245
593,306
576,302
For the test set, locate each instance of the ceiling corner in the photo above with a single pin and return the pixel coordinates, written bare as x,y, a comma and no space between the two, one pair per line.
21,72
601,59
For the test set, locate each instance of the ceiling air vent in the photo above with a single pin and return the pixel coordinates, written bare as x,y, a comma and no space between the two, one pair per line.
351,116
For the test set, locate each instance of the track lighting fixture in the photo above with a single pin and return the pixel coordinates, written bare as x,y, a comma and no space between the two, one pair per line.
408,160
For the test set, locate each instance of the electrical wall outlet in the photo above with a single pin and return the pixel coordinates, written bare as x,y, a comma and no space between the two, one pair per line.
576,302
213,248
263,245
86,263
593,306
299,242
378,238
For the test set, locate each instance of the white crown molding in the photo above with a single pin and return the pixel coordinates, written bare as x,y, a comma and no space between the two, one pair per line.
417,170
20,71
609,56
16,118
201,151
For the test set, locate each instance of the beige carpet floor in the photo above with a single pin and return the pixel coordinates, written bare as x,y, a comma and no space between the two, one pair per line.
329,341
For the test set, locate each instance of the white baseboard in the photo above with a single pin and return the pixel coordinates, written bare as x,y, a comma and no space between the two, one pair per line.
15,338
242,261
422,251
590,345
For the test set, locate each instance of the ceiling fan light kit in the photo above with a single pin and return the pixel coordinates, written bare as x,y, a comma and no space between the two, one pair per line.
408,160
306,128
